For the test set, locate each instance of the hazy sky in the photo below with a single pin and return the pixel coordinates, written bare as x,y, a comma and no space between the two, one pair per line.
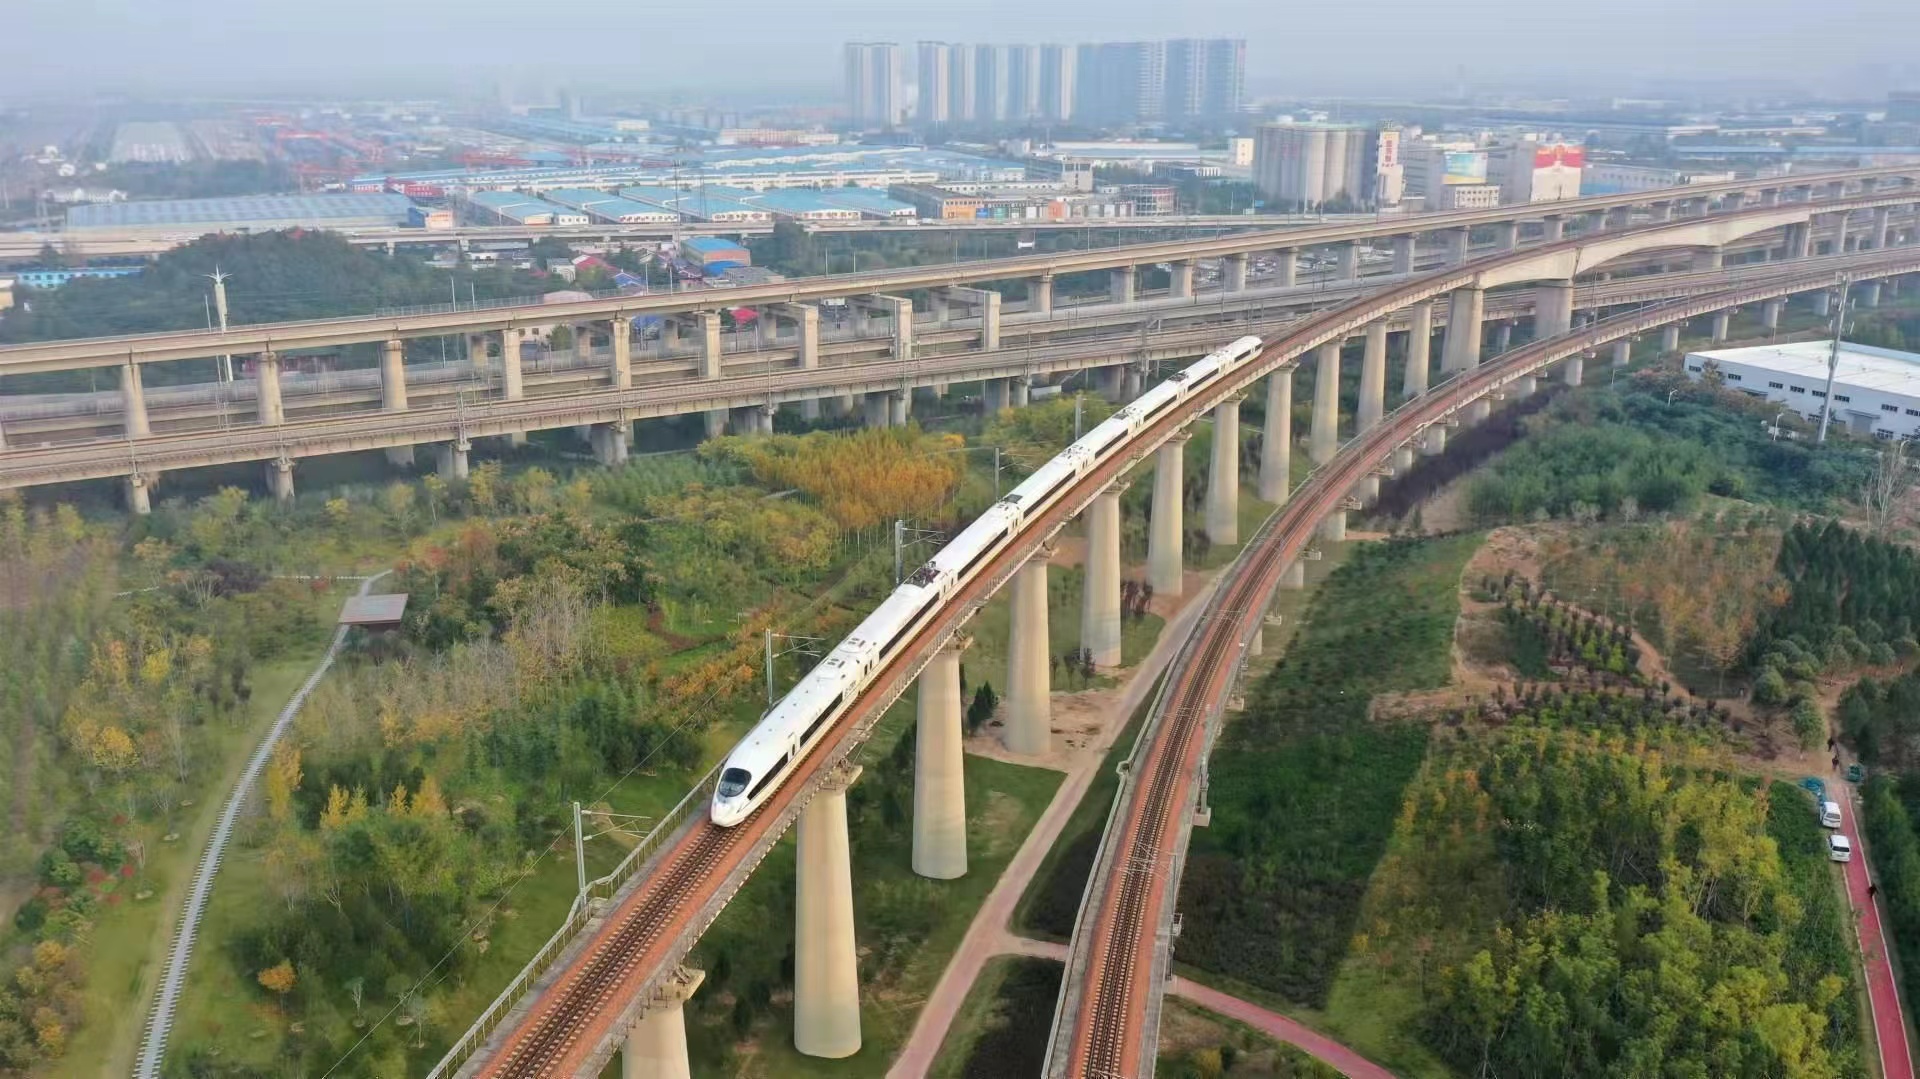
1333,46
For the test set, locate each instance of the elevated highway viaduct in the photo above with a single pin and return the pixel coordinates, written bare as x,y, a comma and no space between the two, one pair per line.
612,977
881,353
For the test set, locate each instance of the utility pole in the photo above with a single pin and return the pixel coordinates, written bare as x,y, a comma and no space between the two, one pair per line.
219,280
1840,302
900,544
804,647
1079,402
579,852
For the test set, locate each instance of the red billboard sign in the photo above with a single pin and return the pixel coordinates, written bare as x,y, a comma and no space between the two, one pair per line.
1559,154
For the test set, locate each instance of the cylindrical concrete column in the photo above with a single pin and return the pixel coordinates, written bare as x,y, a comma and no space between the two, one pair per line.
1479,409
1670,339
1574,370
1402,458
1020,391
1181,285
1040,295
656,1045
1419,349
1166,530
511,387
1552,309
1286,267
1323,434
1223,478
1436,441
994,395
826,971
620,331
1524,387
1404,250
1553,229
1708,258
139,497
280,478
1622,352
1465,309
451,460
269,407
875,409
1459,243
1506,235
899,409
1294,577
1276,445
1502,337
1770,313
1373,379
1121,284
1722,324
1334,528
1233,273
1029,717
393,376
939,777
1111,382
1347,261
1100,595
133,402
1870,294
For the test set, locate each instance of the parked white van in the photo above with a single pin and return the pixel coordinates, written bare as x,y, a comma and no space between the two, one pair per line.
1830,814
1839,848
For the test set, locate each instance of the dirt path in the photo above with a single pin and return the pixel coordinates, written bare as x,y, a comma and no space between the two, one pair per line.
988,935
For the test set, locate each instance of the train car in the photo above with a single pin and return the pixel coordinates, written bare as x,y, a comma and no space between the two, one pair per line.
791,729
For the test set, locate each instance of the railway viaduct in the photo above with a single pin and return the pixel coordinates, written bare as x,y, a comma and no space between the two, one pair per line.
613,977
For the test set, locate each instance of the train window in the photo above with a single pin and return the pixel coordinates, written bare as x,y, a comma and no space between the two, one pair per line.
733,781
772,774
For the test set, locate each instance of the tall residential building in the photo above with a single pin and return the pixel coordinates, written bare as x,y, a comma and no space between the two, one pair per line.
1310,165
992,94
963,88
1123,82
1059,82
1205,78
876,93
933,76
1022,66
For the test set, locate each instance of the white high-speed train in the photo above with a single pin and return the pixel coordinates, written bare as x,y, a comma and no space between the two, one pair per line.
769,752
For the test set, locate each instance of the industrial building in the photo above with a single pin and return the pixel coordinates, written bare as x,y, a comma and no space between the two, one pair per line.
714,255
1021,202
513,208
1875,390
44,279
249,213
757,168
1311,164
1614,178
613,209
705,203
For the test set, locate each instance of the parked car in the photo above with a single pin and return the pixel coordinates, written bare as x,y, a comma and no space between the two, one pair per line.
1839,848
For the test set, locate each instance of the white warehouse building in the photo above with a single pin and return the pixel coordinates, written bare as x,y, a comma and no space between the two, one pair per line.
1875,390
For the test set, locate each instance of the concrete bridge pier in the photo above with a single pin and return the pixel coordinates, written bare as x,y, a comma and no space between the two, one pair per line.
1029,717
1166,535
1020,391
451,459
1133,381
877,410
995,395
620,367
1223,478
1552,309
1040,295
1419,349
1334,528
133,402
1466,307
1670,339
1405,250
716,422
609,442
1347,261
1574,370
1708,258
1878,231
899,409
656,1045
1870,294
393,394
826,971
939,777
1276,446
1722,324
1120,284
269,407
1436,441
139,494
1181,285
1373,379
1323,436
1823,303
1524,387
1367,490
1286,269
1622,352
1479,409
1402,458
1100,598
1502,336
1233,273
1458,244
280,478
1294,577
1506,235
1553,229
1111,382
1799,240
1770,313
810,409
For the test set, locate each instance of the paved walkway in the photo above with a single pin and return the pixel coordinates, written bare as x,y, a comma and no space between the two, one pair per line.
153,1044
1883,992
1281,1028
988,936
